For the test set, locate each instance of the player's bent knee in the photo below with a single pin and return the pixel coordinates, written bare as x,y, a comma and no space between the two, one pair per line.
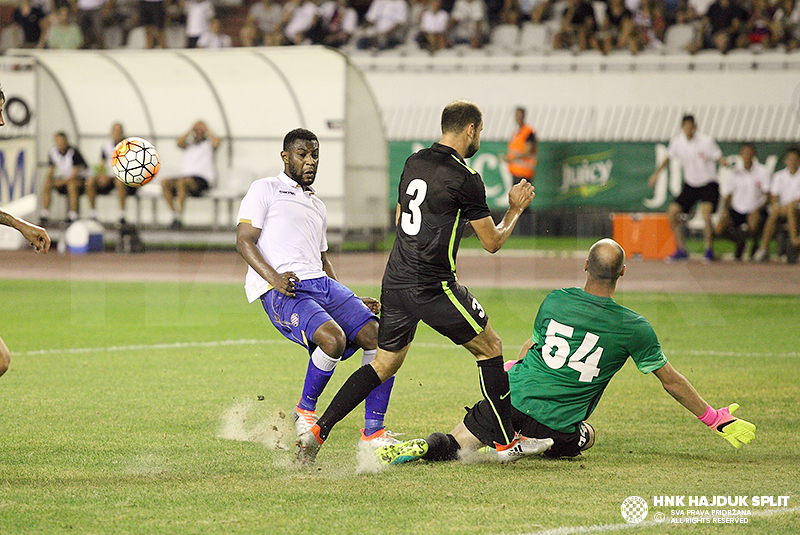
331,339
5,358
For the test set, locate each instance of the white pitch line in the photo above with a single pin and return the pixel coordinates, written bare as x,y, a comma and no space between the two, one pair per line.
604,528
145,347
427,345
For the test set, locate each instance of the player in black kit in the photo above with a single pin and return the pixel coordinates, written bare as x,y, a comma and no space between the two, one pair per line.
439,195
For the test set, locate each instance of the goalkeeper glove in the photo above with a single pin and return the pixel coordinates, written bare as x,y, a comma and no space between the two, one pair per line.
732,429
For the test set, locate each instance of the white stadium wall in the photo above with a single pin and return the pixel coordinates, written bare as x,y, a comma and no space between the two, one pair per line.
249,98
594,105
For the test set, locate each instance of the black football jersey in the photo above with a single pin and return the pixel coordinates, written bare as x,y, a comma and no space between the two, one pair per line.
439,193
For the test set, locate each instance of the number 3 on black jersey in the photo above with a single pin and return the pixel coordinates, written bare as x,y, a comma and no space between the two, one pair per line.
411,221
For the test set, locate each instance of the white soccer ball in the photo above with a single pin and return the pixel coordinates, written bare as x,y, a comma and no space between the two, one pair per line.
135,161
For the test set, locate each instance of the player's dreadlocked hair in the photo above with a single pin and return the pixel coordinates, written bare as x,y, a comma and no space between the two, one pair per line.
298,134
460,114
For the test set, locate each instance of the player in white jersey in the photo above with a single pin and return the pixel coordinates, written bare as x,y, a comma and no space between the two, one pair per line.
784,196
698,154
34,234
103,181
745,200
281,236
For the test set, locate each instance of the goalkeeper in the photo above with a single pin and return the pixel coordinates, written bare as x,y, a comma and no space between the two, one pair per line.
581,338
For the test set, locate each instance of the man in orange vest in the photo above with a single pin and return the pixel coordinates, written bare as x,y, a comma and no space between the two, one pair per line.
521,159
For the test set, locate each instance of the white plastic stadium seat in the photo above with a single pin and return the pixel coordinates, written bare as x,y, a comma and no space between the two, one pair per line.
505,39
534,39
175,36
678,37
10,37
237,182
113,37
137,38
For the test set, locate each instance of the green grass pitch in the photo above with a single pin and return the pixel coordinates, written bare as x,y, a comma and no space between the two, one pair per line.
124,400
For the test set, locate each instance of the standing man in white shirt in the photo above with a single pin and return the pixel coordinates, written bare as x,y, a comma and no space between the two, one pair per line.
745,200
199,14
198,172
281,236
698,154
784,197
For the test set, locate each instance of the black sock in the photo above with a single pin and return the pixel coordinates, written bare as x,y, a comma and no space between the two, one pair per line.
441,447
494,386
353,391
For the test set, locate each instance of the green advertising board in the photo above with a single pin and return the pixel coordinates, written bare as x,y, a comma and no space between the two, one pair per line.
597,175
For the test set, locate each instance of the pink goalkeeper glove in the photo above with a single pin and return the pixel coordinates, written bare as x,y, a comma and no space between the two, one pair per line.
734,430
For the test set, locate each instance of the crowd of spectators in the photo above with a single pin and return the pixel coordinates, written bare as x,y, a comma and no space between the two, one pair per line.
603,25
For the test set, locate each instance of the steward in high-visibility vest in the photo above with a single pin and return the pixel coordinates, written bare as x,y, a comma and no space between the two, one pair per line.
522,149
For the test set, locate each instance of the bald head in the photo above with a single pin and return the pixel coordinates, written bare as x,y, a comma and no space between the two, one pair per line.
606,261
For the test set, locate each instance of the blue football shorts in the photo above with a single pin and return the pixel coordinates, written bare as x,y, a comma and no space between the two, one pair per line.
316,301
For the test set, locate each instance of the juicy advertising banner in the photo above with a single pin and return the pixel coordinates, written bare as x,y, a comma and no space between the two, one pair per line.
601,175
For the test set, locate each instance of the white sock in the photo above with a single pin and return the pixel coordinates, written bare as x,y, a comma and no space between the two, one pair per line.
369,354
323,361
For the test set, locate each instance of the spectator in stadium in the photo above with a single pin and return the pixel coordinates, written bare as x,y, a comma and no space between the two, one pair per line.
386,24
36,235
744,202
66,175
198,172
784,201
199,14
786,23
433,24
467,23
577,26
62,33
649,25
338,21
758,28
302,23
30,19
271,16
214,37
617,31
698,155
720,27
551,396
281,236
439,195
91,15
249,34
103,181
153,16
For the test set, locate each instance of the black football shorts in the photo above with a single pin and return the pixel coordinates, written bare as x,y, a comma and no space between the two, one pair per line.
449,309
482,422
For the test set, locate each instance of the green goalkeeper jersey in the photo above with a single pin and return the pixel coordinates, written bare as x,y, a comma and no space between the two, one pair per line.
579,342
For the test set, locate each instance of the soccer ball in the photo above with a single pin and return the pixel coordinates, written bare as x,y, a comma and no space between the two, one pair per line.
135,161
